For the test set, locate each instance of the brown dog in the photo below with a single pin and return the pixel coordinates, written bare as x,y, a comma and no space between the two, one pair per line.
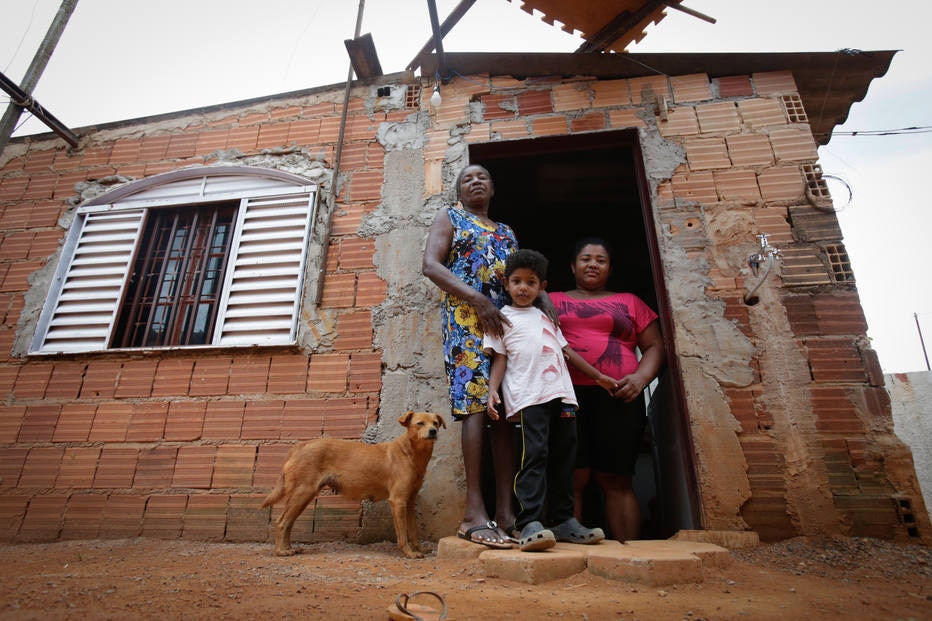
393,470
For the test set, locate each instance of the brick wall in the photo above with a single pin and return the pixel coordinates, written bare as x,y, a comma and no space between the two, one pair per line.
187,444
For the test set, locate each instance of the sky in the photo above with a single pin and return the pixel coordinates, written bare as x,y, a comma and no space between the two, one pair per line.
125,59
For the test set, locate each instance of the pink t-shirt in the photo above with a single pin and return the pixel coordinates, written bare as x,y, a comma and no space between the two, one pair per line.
604,331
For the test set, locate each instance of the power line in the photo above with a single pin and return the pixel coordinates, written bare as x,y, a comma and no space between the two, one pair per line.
924,129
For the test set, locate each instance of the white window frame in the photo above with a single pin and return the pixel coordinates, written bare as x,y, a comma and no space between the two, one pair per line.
262,290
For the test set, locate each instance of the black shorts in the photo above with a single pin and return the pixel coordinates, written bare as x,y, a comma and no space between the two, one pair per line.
610,431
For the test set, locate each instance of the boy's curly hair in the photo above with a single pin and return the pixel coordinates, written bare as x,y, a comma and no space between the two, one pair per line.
530,259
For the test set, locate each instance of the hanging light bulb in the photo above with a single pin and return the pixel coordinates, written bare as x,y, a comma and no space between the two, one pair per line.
435,99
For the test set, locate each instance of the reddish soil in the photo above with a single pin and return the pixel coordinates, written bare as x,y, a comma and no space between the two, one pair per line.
146,579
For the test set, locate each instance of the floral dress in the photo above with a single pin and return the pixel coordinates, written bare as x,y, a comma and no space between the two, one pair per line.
477,257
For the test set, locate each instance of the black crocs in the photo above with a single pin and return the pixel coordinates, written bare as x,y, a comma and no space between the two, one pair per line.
571,531
535,537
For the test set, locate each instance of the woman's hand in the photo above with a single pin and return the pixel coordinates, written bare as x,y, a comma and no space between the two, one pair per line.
490,317
628,388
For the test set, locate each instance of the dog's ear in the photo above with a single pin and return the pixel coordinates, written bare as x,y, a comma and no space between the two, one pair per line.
406,418
440,420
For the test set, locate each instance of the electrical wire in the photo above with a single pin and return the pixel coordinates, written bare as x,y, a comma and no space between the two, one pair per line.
902,131
32,18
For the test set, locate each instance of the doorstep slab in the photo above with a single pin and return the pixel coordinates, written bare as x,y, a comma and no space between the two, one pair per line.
533,567
653,565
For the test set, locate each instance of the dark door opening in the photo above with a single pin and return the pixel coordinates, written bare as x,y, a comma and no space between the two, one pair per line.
553,191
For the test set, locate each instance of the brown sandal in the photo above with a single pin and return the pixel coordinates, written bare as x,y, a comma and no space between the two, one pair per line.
403,610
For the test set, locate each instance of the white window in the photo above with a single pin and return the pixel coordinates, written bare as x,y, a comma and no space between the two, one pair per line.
194,257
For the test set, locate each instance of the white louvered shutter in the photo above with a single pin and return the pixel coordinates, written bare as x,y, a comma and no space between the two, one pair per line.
90,286
263,285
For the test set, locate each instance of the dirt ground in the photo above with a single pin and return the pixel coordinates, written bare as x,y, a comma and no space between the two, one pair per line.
851,578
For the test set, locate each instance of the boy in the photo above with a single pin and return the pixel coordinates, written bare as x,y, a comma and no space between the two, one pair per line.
529,364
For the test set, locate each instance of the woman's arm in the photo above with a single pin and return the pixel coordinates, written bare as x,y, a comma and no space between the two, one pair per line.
591,372
439,241
653,357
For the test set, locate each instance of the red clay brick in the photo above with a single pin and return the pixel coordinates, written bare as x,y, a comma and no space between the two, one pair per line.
371,290
345,418
12,459
246,520
83,516
194,467
250,374
339,291
173,378
110,422
234,466
66,380
205,517
184,421
534,102
136,379
550,125
43,519
734,86
354,330
591,121
692,87
706,153
78,467
328,373
211,376
41,467
366,186
38,424
365,372
302,419
288,374
156,467
124,516
100,379
269,461
262,420
147,421
116,467
223,420
164,516
32,381
12,512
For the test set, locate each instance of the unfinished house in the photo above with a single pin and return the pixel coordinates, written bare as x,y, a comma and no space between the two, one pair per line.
184,297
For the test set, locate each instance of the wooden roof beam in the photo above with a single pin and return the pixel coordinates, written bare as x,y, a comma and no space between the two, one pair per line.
619,26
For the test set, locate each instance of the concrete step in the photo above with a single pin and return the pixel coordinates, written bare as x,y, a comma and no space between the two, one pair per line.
648,562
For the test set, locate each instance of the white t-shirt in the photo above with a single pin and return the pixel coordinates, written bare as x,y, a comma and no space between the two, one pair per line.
536,371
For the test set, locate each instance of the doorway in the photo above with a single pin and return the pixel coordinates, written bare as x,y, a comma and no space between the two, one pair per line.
553,191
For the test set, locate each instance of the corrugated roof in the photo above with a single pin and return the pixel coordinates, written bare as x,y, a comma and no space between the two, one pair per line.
828,82
604,24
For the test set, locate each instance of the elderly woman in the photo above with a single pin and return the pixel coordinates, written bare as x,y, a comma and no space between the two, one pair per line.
465,256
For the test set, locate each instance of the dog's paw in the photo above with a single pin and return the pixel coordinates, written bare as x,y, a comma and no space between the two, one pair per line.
413,553
285,552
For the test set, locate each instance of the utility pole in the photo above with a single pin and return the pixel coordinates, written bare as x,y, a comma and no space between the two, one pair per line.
39,62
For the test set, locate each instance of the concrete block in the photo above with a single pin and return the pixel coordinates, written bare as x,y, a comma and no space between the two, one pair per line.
710,554
646,564
731,539
457,548
533,567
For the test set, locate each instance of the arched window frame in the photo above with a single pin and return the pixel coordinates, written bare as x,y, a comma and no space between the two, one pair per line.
262,289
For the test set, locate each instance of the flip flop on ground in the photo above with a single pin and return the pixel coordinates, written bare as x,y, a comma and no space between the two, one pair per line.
535,537
571,531
404,610
472,534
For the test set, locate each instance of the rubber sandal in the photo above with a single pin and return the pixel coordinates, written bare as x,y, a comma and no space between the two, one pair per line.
571,531
470,535
404,610
535,537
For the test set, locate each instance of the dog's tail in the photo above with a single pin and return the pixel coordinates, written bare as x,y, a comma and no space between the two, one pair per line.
276,494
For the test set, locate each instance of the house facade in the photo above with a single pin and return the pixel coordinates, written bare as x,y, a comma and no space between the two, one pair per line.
185,297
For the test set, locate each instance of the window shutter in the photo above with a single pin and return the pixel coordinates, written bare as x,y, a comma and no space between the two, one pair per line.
262,292
90,285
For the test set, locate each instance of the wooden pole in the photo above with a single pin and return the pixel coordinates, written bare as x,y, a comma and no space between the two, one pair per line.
39,62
